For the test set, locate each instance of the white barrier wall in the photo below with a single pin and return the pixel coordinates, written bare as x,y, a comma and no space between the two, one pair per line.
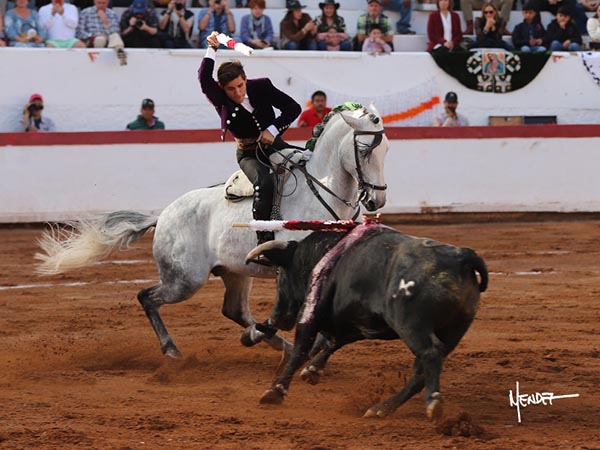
56,182
88,90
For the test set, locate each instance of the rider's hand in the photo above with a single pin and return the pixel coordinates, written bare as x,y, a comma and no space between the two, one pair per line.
212,39
266,137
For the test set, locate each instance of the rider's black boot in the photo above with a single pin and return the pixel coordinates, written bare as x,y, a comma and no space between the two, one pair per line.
264,236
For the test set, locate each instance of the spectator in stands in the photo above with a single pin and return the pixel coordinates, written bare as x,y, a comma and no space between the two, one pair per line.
98,27
467,7
443,28
593,29
450,118
2,37
375,42
373,17
146,119
404,7
139,26
562,34
32,116
217,17
256,28
528,36
297,30
576,10
22,26
314,115
60,20
488,29
326,39
175,25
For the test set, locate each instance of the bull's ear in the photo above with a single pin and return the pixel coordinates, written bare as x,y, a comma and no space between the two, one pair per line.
277,253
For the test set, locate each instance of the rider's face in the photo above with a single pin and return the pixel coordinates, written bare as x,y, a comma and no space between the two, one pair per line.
236,89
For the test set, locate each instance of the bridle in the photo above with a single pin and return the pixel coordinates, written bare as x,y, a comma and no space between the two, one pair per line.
359,147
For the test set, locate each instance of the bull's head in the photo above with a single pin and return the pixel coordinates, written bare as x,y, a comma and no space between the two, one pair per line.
292,280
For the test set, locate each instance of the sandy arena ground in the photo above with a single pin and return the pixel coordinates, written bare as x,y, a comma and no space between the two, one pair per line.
81,367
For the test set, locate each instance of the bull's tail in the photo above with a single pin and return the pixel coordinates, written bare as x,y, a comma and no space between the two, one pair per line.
474,262
83,242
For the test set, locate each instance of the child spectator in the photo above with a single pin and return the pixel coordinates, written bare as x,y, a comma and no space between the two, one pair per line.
256,29
443,28
314,115
529,35
562,33
139,26
60,20
375,42
176,24
332,40
217,17
365,23
22,26
297,31
593,29
146,119
488,29
330,19
32,116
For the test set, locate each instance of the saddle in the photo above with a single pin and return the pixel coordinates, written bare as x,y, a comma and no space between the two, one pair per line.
238,187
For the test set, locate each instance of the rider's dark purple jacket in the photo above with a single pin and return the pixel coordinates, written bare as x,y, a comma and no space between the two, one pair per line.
263,97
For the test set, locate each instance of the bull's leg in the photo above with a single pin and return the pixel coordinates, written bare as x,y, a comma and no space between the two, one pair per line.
312,372
306,334
152,298
414,385
236,308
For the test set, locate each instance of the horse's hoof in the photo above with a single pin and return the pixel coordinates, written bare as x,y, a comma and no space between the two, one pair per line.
375,412
311,375
435,408
173,352
272,397
251,336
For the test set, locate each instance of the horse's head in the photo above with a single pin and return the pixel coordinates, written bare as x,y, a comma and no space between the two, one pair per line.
366,162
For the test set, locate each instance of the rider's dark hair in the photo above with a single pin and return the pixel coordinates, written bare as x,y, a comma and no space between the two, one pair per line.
316,94
230,70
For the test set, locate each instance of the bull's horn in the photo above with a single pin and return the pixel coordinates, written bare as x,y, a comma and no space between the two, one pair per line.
269,245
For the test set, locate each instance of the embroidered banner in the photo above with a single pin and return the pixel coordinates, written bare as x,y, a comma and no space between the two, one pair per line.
492,70
591,62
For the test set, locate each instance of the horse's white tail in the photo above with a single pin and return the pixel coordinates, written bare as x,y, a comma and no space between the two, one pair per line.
84,242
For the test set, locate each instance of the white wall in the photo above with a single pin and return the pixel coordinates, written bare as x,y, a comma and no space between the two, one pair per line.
85,91
44,183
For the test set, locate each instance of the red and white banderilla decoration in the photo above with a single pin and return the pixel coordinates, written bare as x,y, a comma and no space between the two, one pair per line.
307,225
231,43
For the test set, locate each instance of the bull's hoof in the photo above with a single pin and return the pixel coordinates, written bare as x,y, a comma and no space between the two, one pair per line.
377,411
172,352
273,396
251,336
435,408
311,375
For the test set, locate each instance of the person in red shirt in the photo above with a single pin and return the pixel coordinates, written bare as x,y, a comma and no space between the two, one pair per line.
315,114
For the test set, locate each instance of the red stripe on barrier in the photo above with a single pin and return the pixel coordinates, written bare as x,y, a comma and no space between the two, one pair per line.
294,134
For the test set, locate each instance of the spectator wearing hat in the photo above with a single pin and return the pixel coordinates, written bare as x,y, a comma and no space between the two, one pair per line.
175,25
60,20
217,17
146,119
32,116
297,29
450,118
443,28
98,27
331,28
22,26
256,28
373,16
562,34
139,26
317,111
529,35
404,7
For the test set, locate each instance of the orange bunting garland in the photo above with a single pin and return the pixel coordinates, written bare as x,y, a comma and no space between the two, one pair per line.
412,112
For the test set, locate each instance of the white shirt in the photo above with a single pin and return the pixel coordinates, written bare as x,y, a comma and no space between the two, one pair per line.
60,27
447,24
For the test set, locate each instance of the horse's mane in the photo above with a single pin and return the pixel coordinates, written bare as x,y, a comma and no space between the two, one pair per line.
320,127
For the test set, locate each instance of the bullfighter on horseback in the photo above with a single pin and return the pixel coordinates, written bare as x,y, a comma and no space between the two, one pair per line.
246,110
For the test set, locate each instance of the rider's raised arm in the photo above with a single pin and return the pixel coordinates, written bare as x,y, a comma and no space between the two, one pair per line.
209,85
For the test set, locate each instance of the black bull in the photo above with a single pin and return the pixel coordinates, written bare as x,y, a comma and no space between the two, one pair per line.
384,285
